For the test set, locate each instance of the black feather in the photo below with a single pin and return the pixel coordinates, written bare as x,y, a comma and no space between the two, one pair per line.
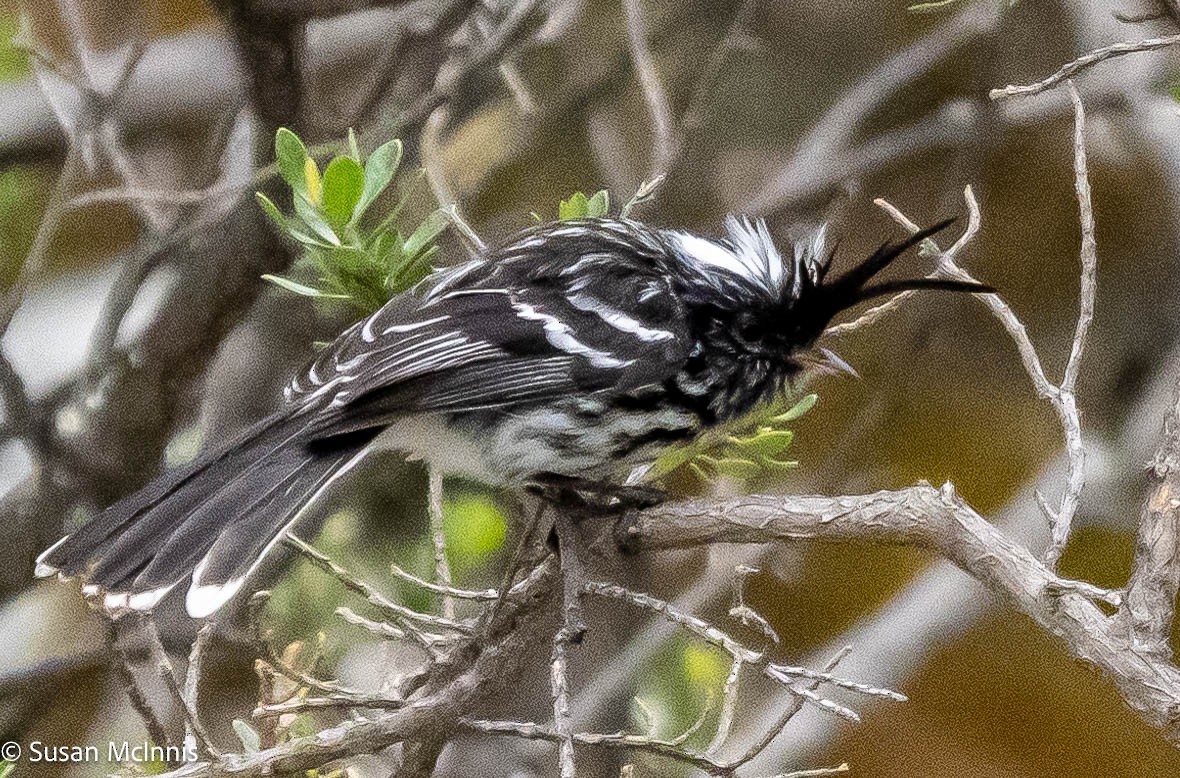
858,276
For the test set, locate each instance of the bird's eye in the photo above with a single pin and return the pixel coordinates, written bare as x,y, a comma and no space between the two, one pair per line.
751,331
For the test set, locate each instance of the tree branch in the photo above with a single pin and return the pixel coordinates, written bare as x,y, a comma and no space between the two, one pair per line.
939,520
1151,591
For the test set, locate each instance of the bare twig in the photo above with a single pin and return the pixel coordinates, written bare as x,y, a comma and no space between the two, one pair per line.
303,704
1061,397
949,257
740,653
438,537
1066,403
121,664
559,687
195,734
485,595
381,629
729,700
408,618
1081,63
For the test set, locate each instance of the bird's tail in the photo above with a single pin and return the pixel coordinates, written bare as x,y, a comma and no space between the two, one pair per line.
211,522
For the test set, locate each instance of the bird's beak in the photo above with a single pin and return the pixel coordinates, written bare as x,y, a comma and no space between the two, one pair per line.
827,362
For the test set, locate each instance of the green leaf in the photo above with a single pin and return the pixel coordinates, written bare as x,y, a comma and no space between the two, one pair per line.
251,741
354,149
380,168
599,205
778,465
344,178
426,233
289,227
302,725
797,410
6,769
297,288
312,217
291,158
272,211
766,442
575,207
668,460
741,469
579,206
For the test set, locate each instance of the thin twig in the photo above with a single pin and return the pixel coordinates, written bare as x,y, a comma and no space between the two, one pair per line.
740,653
1067,410
304,704
1081,63
485,595
872,315
407,617
438,537
560,690
381,629
729,699
167,674
195,734
1063,402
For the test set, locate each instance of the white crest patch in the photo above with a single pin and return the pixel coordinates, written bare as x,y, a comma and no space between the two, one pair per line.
707,252
755,249
749,253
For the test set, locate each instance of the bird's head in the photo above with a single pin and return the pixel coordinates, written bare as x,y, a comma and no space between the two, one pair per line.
777,307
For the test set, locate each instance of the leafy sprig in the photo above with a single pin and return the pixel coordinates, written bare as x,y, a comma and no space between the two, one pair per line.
744,450
363,266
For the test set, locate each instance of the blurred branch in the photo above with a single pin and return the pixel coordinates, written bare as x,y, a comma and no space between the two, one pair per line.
271,48
829,153
665,141
734,38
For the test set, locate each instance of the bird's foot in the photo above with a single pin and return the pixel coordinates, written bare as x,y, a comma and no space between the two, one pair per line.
583,498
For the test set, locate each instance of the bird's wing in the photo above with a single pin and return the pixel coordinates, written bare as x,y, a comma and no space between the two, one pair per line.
502,333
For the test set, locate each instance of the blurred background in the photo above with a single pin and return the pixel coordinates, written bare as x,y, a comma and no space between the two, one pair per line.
136,330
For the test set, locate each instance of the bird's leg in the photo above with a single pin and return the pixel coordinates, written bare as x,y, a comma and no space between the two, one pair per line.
573,500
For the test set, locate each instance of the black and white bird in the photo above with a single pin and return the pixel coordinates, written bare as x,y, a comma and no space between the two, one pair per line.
579,349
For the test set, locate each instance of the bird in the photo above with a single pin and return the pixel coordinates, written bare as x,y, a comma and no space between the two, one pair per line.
577,350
